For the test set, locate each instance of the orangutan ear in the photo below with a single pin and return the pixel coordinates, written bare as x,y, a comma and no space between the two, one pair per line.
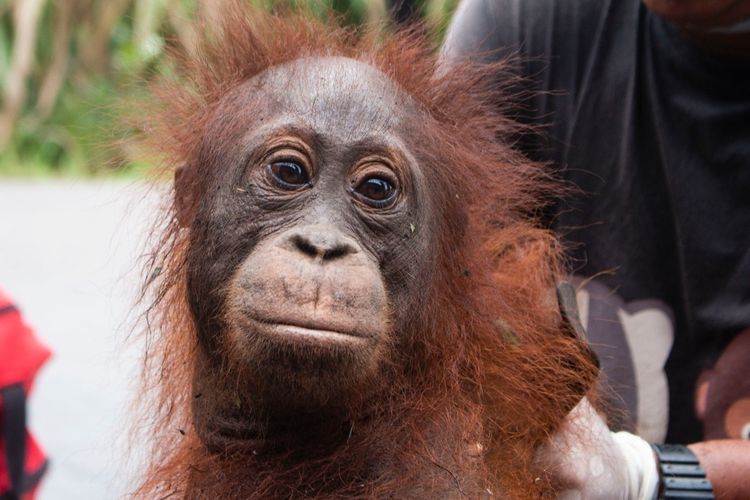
183,196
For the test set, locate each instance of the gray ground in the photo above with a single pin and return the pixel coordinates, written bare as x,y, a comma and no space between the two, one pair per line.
69,256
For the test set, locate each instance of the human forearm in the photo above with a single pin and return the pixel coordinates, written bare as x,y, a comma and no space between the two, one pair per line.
727,466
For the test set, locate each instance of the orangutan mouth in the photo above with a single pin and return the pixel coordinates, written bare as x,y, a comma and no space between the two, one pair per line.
313,333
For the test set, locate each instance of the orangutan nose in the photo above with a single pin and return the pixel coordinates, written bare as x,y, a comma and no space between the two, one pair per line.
322,242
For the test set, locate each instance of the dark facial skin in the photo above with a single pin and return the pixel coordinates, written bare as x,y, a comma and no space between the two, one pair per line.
311,246
701,22
701,13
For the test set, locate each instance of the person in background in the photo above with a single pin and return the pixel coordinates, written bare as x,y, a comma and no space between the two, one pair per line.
22,461
403,12
644,106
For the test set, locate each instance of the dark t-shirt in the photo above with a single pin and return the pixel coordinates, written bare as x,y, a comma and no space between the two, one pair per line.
656,134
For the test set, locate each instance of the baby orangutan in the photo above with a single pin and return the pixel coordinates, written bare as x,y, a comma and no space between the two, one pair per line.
355,299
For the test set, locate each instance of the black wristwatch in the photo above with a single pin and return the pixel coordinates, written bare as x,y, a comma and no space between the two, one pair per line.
681,476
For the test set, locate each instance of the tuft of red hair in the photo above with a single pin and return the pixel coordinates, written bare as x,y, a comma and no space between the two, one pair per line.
486,375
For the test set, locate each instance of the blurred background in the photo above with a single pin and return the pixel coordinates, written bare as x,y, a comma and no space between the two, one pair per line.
75,206
62,63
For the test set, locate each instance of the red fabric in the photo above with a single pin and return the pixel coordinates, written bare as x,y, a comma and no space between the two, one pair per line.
21,356
21,353
35,458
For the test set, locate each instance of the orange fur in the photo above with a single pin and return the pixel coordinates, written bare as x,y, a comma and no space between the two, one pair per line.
486,374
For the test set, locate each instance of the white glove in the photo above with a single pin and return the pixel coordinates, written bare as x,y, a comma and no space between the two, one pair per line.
589,462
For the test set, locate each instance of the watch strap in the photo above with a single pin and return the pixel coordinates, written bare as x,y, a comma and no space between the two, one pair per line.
681,475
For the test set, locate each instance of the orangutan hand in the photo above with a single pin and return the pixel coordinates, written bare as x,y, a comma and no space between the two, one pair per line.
589,462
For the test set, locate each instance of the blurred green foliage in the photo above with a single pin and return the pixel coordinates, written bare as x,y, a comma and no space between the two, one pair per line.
88,55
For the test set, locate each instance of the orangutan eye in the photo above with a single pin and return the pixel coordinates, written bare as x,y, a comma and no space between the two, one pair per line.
289,174
745,431
376,191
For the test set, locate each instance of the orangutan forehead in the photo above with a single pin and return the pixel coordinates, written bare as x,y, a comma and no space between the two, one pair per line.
335,92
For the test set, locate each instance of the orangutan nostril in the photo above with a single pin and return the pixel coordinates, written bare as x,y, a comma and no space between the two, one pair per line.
327,247
305,246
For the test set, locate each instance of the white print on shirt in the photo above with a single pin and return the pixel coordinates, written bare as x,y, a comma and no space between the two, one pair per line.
632,341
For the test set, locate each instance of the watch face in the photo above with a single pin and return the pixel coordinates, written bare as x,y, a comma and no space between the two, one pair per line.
737,419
